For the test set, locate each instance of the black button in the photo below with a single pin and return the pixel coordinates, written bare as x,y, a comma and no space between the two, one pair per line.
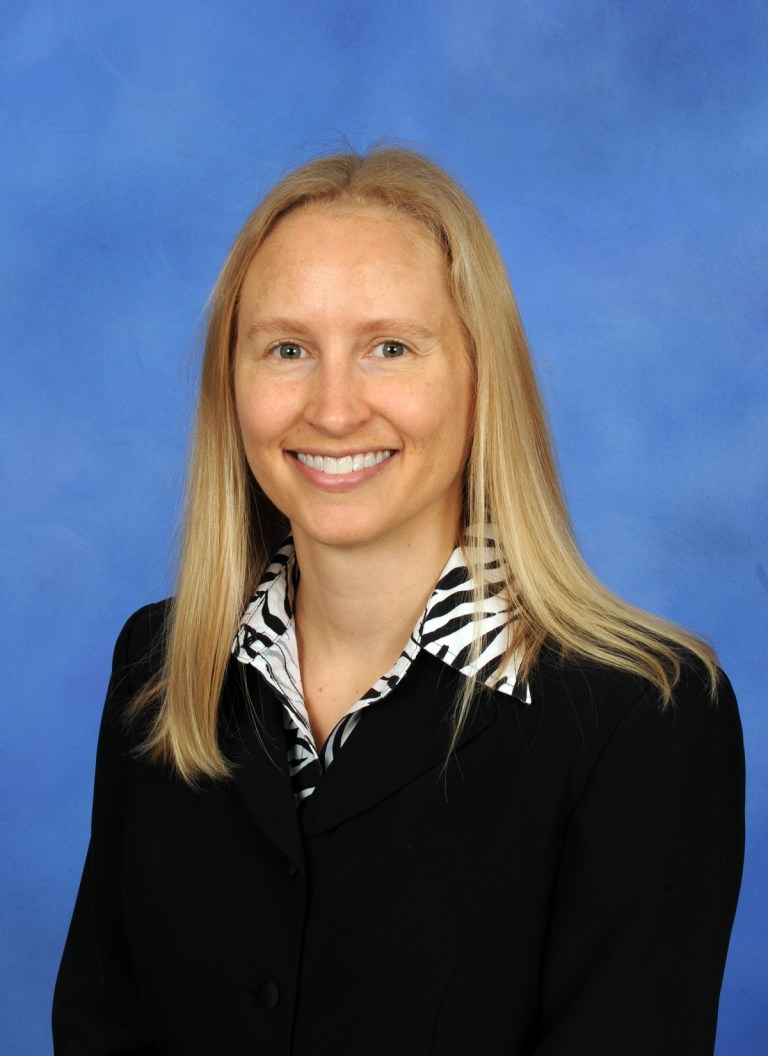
269,994
288,864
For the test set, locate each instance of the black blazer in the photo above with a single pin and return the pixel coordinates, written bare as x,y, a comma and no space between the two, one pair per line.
565,885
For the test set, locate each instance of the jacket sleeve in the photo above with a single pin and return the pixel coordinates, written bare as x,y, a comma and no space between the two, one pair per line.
648,883
97,1007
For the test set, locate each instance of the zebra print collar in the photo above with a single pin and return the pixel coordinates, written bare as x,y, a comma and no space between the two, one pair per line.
266,639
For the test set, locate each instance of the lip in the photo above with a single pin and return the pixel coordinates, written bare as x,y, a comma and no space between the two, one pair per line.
336,482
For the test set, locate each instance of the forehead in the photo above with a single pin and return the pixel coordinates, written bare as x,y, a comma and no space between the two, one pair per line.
326,270
359,238
320,214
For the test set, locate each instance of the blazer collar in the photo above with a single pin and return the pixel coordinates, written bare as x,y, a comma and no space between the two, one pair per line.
254,740
405,735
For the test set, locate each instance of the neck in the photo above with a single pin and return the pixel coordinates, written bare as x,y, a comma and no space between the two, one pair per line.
366,597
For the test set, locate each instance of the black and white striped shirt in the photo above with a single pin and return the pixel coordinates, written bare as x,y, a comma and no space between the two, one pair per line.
266,638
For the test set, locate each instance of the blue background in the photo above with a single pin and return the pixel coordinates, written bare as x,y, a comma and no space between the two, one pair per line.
618,151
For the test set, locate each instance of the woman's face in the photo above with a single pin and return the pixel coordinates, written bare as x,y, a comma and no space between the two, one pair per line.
352,381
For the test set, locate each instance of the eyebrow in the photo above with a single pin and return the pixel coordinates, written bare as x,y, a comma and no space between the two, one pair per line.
282,325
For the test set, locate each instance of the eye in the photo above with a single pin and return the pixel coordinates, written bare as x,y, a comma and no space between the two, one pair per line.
288,350
390,350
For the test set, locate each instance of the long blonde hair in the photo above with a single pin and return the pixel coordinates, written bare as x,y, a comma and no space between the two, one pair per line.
511,481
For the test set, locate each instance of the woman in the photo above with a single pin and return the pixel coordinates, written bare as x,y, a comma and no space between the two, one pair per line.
393,773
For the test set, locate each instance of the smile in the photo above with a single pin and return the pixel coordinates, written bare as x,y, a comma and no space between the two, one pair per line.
346,464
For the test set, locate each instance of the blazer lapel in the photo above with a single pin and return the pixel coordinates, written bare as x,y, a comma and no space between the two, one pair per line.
254,740
397,740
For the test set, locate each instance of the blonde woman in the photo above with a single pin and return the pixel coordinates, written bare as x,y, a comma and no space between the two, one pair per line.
393,773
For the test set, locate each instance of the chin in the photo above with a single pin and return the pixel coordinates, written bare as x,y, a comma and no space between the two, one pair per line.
342,531
343,538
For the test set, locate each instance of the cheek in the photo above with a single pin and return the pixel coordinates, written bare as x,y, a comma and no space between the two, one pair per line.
255,433
455,404
439,422
457,424
261,412
243,403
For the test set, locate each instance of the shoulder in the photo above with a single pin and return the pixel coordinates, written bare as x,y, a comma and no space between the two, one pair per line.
143,632
139,649
613,687
611,706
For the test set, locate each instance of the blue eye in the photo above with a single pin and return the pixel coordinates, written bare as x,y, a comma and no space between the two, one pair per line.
390,350
288,350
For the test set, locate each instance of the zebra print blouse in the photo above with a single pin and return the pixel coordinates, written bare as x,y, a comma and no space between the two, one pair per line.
267,639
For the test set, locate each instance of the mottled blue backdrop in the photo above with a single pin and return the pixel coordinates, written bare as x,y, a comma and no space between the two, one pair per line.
619,153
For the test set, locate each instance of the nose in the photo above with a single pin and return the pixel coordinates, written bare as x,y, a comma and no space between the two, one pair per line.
336,401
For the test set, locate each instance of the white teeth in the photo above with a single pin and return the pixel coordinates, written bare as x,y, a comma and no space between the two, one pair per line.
346,464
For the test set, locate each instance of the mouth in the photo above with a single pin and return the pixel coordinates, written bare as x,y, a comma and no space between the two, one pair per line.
338,467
